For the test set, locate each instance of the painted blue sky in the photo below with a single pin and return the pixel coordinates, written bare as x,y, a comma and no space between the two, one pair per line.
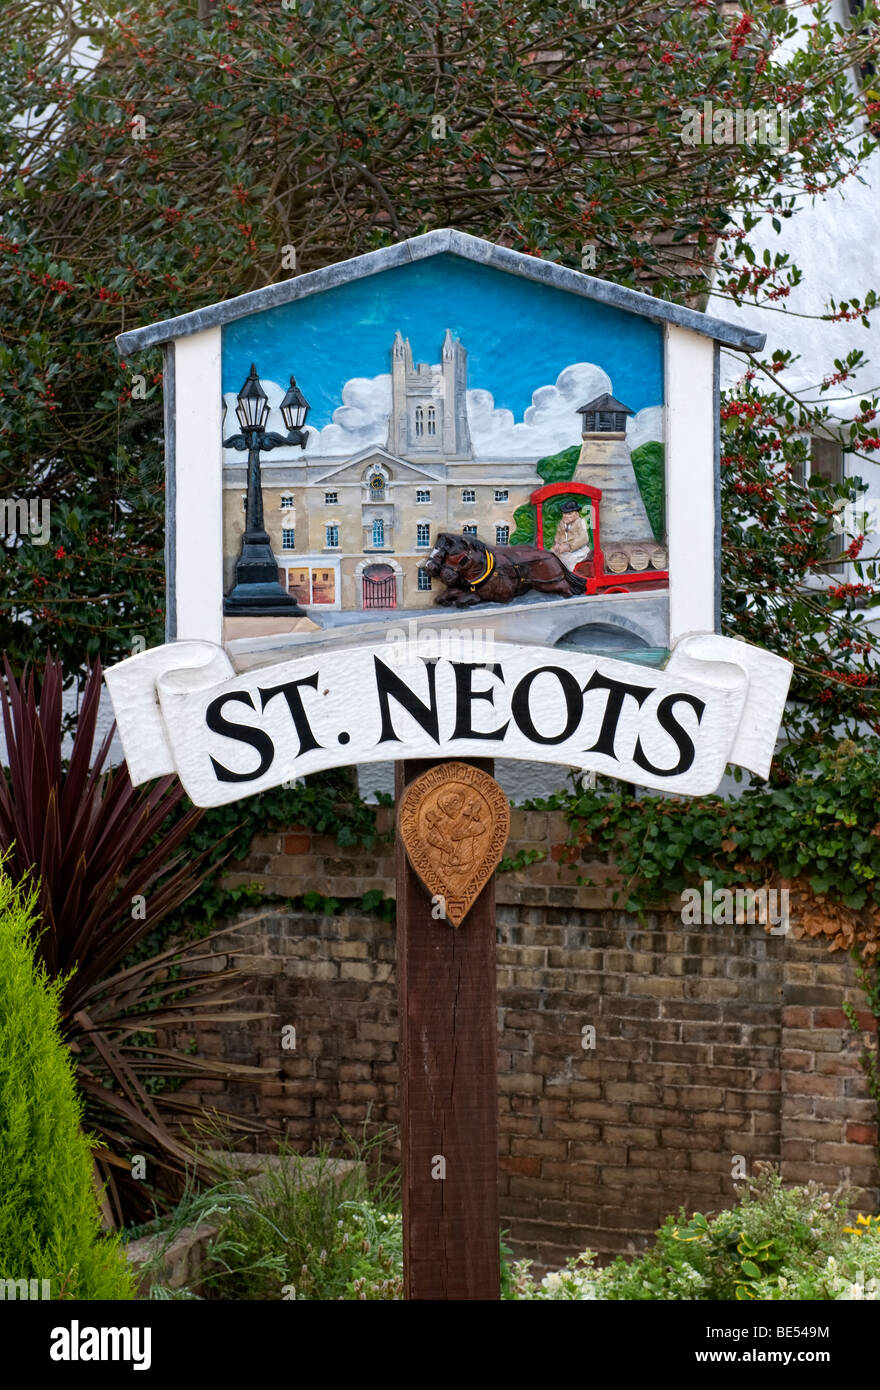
519,336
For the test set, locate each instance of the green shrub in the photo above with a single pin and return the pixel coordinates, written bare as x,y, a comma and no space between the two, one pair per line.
304,1231
50,1214
312,1235
777,1244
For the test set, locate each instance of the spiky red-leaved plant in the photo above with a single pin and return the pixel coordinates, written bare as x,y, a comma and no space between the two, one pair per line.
108,869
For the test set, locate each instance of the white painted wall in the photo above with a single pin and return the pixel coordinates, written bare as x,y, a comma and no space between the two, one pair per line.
835,241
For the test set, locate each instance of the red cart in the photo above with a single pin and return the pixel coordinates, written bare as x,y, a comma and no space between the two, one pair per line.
593,570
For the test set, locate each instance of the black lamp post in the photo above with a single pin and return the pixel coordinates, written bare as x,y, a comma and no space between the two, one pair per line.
257,592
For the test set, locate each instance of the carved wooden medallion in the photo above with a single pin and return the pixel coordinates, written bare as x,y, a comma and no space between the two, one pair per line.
454,822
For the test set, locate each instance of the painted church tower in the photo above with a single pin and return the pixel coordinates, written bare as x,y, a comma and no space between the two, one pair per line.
428,417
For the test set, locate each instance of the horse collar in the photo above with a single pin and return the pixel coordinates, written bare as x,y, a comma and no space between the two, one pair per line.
490,565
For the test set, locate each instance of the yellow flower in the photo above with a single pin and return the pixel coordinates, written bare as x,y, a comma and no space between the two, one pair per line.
866,1223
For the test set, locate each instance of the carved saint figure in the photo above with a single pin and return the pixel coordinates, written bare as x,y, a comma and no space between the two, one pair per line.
453,827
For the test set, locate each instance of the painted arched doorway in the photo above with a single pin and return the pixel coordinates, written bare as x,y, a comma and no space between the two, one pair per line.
379,587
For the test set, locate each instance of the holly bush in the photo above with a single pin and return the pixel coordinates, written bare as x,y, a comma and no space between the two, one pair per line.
153,162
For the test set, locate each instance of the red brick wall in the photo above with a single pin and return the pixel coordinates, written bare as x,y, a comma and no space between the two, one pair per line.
711,1042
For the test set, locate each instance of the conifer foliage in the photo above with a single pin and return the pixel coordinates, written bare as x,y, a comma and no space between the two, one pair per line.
50,1214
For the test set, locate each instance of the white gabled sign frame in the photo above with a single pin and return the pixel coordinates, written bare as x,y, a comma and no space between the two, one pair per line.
197,707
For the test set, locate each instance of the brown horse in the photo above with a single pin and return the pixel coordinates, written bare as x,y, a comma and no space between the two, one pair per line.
477,573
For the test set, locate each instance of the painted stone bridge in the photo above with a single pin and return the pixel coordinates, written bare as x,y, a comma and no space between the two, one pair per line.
630,626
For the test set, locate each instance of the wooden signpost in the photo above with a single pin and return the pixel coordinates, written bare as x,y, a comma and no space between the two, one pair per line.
457,560
448,1065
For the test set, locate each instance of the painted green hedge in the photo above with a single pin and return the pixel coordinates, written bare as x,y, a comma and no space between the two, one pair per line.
647,461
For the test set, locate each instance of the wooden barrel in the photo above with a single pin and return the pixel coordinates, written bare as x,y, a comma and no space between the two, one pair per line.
616,561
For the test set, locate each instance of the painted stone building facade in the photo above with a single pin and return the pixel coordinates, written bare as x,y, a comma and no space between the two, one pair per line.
352,534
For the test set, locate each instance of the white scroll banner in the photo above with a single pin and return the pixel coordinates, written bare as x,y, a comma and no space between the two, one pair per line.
182,708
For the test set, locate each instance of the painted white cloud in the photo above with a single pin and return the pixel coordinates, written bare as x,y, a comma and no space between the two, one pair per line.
549,424
645,425
361,420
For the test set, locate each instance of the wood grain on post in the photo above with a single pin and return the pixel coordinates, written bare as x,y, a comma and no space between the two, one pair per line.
448,1087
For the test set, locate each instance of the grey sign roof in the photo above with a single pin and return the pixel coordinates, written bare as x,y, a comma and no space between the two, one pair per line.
445,242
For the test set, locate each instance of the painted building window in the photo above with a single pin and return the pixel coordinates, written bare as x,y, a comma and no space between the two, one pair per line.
310,586
323,586
331,537
502,535
468,494
288,538
468,530
420,421
423,535
424,581
378,532
501,494
331,499
299,586
432,420
423,494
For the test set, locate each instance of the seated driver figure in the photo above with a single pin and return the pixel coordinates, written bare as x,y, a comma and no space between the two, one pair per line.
572,543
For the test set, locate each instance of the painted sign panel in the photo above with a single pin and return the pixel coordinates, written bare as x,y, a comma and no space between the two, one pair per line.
473,440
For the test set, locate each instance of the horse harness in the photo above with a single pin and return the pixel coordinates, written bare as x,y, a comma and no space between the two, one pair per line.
490,565
523,581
